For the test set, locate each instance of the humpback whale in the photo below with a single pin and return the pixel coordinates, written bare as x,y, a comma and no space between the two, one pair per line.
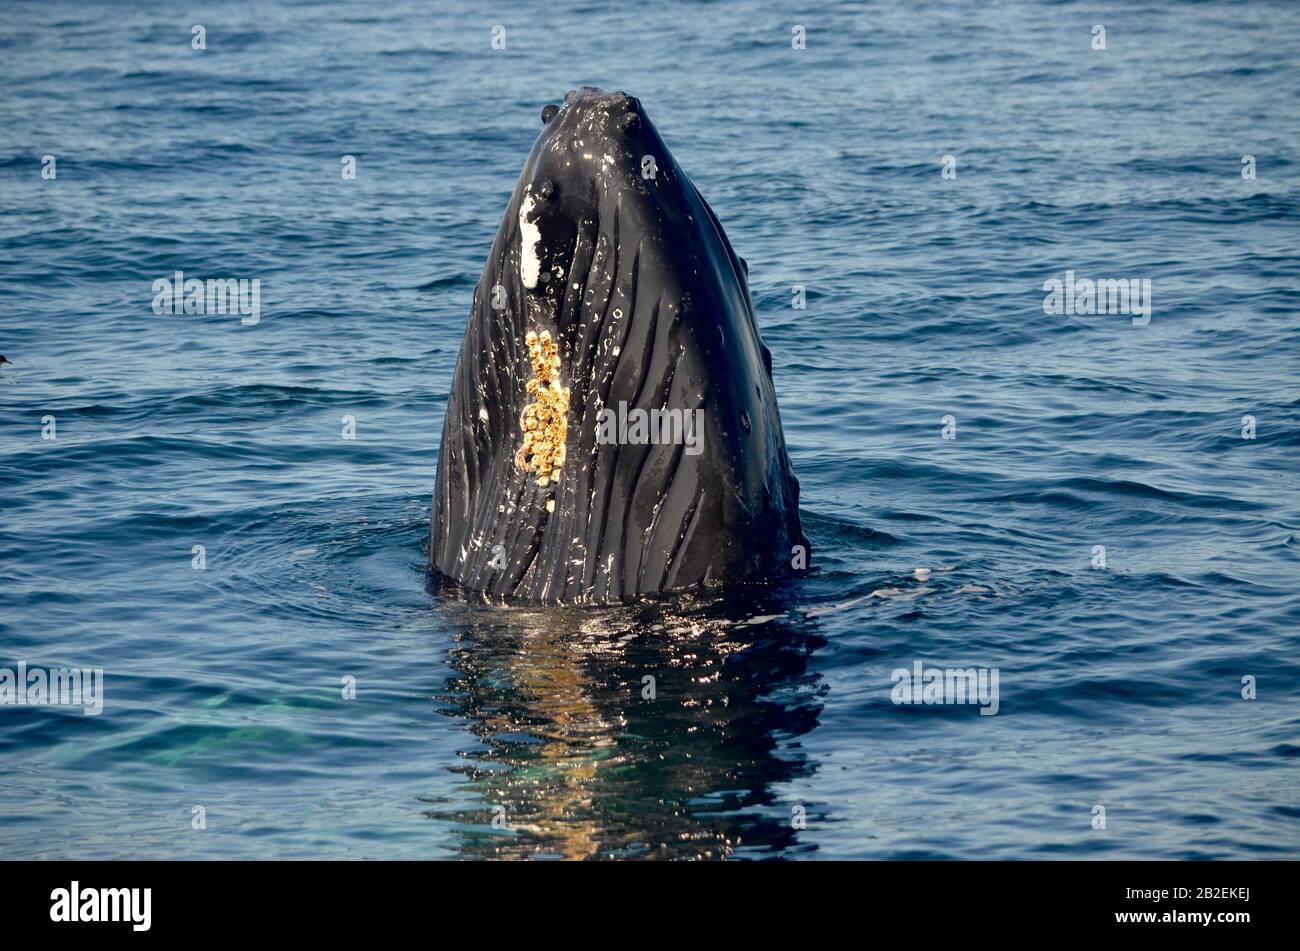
612,429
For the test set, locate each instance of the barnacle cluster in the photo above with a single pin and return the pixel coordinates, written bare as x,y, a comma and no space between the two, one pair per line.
545,420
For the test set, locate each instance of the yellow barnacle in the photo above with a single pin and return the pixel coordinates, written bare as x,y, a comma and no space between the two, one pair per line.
545,420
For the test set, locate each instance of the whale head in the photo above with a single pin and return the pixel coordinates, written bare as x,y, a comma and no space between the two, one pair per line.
596,145
585,148
612,428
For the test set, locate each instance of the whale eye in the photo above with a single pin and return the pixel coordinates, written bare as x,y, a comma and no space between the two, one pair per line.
545,190
549,111
630,124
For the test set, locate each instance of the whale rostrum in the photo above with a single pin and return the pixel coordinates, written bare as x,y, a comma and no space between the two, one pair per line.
612,428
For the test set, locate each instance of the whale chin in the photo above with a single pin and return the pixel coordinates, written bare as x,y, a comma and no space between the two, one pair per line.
612,428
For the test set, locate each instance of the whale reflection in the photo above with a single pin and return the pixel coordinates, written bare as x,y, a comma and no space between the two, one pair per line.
658,730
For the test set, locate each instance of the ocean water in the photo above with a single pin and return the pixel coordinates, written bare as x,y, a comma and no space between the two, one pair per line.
480,731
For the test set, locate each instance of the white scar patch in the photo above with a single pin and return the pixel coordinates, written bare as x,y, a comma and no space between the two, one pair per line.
530,237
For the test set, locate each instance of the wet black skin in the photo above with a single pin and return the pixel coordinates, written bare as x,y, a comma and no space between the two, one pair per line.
650,306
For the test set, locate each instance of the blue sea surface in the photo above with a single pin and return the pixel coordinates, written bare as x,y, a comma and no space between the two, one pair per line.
482,731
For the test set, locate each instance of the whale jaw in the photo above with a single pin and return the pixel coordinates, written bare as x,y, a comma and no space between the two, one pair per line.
612,429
